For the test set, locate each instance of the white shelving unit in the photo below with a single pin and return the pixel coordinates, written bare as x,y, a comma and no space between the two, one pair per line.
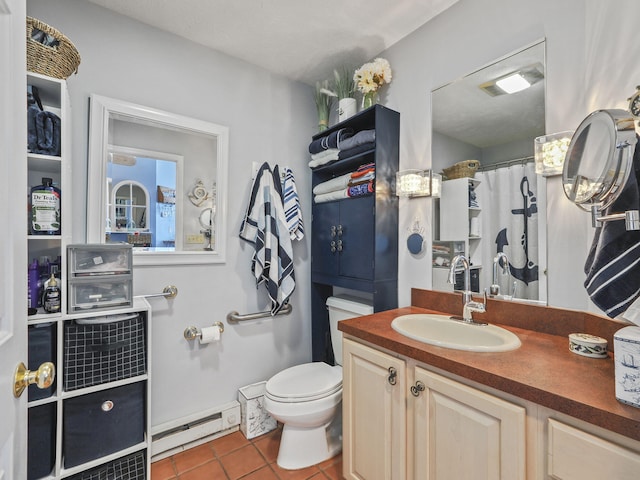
47,409
459,221
457,216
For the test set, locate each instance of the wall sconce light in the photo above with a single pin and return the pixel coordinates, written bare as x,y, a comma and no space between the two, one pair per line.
550,151
418,183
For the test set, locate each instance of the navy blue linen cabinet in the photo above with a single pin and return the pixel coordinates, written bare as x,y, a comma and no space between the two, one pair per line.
354,241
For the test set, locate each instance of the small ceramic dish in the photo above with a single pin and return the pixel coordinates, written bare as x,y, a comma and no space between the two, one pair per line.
588,345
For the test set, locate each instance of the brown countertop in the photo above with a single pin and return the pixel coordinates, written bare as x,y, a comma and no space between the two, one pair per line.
542,370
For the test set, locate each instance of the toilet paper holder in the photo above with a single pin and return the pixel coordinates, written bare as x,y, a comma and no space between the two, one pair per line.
191,333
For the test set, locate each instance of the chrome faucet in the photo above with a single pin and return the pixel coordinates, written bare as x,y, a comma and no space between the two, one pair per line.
468,304
494,289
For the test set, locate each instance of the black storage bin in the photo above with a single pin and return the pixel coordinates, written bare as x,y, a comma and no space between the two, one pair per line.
131,467
102,351
104,422
42,348
41,451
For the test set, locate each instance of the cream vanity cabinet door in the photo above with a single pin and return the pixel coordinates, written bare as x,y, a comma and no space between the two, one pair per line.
374,414
461,432
574,454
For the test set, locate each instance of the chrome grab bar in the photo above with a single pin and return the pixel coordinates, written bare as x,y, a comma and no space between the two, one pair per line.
235,317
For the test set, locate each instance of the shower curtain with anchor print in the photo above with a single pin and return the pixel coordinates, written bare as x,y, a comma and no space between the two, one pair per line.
508,197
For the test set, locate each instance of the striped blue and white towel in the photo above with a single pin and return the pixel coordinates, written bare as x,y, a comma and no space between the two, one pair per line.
613,263
292,210
265,227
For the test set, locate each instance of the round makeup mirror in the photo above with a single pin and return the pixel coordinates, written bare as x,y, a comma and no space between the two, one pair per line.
206,218
599,159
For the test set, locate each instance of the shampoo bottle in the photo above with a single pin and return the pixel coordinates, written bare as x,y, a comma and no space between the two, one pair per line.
45,209
51,296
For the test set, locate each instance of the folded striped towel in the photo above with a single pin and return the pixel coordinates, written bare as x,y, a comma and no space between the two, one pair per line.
332,140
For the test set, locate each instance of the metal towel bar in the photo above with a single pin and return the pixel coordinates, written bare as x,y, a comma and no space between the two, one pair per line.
169,291
235,317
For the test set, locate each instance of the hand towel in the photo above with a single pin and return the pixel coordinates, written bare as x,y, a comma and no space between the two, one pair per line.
292,209
265,227
613,262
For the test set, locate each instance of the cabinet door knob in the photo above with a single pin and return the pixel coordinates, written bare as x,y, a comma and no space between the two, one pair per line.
417,388
393,376
333,246
339,245
339,230
333,231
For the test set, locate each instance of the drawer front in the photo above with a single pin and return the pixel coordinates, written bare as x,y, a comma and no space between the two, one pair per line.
99,259
104,422
100,293
575,455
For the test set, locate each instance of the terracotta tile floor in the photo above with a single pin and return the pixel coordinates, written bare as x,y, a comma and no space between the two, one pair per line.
233,457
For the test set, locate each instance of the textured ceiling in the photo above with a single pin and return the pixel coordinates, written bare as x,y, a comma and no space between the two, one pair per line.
298,39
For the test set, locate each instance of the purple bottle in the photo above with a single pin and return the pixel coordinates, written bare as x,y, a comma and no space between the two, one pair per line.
33,280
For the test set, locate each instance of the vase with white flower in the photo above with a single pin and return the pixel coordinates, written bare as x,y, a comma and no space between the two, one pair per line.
369,78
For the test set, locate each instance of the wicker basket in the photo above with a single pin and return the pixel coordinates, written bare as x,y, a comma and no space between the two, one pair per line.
466,168
57,62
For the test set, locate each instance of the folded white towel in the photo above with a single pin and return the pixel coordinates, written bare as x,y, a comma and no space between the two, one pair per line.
332,185
330,196
323,158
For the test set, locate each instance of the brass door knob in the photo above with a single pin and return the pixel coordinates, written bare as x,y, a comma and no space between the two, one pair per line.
43,377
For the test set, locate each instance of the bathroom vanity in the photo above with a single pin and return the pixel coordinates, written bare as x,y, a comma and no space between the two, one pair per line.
417,411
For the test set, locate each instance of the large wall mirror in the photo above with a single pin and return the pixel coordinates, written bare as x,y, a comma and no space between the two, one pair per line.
153,177
500,212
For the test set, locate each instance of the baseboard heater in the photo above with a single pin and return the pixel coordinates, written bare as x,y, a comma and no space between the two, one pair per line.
186,432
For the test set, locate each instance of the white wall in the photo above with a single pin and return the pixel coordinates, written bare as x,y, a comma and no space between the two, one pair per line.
270,119
589,50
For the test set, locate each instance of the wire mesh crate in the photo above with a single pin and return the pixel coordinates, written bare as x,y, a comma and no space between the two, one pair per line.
104,350
131,467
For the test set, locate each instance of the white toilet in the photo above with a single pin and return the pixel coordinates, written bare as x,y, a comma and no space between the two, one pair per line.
307,398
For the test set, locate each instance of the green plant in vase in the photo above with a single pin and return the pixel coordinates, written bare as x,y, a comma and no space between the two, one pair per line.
323,104
345,87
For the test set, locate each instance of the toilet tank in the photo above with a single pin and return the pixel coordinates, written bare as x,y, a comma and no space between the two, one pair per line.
342,307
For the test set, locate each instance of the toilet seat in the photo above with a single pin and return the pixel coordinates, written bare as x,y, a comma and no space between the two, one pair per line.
303,383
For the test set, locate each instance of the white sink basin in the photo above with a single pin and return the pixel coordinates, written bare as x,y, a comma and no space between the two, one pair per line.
442,331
